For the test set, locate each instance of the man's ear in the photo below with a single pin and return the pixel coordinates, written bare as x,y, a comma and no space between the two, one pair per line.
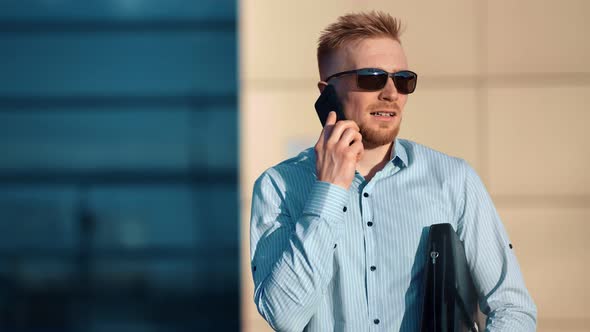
322,85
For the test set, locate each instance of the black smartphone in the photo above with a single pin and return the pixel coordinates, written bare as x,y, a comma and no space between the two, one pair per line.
327,102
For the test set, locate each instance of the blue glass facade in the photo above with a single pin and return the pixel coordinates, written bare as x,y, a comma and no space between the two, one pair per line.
118,166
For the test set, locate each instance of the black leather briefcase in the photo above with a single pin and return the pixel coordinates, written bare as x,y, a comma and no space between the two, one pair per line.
450,299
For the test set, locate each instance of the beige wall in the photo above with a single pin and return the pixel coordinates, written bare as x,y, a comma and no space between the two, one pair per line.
503,84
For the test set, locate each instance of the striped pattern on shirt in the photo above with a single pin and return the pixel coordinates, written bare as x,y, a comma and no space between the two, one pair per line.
329,259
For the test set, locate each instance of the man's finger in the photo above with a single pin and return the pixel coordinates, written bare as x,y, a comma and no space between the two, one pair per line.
340,127
328,127
331,119
360,155
359,149
349,136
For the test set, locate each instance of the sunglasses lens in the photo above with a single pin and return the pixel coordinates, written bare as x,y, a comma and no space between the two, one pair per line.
371,80
405,81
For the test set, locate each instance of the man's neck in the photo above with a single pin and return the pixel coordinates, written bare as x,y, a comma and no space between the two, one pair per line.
374,160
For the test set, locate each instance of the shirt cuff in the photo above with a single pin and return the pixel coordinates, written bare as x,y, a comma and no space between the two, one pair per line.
328,201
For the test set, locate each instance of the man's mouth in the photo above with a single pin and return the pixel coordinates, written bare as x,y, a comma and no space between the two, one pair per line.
390,114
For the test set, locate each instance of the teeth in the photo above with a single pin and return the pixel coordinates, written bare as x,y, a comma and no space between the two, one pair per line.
382,114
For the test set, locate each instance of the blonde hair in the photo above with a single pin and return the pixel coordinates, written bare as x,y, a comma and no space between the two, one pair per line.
353,27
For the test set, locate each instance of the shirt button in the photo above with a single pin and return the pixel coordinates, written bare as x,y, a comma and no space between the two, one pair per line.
373,268
254,268
344,209
370,223
335,245
366,194
376,321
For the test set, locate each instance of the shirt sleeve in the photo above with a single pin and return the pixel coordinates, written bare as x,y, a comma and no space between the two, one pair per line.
292,260
503,296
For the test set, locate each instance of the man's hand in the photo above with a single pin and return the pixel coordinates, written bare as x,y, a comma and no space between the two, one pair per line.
338,150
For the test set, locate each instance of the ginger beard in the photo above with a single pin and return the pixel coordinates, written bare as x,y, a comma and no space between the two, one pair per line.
376,133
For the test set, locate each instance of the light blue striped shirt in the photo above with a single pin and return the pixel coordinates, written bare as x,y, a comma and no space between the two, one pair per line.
327,259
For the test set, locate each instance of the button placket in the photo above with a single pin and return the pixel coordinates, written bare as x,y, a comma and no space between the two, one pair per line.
370,257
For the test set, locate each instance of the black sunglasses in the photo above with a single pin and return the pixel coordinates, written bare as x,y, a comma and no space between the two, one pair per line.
373,79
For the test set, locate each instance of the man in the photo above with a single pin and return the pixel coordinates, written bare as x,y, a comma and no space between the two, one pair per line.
337,233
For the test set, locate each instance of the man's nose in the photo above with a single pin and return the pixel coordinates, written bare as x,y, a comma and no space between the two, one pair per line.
389,92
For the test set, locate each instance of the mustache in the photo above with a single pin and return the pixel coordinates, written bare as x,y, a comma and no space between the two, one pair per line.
384,106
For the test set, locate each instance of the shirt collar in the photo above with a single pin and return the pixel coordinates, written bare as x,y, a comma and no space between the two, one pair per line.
399,153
